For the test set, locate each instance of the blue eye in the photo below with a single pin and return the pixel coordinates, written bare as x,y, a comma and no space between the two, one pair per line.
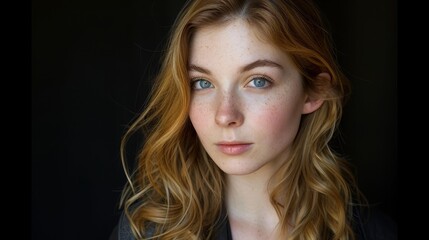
201,84
259,82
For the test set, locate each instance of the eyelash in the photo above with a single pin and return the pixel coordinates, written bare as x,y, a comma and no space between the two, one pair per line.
194,82
265,78
268,80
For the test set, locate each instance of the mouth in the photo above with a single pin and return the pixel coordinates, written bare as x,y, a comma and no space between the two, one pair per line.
233,148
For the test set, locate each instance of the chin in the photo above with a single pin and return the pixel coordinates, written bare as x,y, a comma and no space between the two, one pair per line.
238,169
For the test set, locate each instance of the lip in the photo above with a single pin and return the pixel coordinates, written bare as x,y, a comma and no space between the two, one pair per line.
233,148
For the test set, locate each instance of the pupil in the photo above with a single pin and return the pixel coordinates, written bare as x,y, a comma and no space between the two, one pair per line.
259,82
204,84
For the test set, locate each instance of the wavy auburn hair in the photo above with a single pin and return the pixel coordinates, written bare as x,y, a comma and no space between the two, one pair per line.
177,191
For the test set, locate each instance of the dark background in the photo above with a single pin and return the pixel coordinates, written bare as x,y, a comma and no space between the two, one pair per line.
90,65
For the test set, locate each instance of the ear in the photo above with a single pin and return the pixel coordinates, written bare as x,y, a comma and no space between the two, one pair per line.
314,101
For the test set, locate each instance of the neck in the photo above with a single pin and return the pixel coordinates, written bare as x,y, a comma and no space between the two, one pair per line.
249,194
248,202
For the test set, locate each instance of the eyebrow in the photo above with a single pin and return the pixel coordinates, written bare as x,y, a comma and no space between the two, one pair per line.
247,67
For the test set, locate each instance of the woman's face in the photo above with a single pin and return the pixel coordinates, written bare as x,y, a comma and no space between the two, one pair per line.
247,98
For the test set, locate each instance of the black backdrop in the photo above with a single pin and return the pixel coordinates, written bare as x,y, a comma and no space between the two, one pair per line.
90,60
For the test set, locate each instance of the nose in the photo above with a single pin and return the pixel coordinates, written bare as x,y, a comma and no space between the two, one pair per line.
229,111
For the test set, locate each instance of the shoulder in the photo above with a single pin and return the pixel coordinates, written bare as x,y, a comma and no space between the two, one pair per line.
373,224
122,230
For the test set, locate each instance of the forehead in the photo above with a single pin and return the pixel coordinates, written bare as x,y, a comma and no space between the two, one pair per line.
235,39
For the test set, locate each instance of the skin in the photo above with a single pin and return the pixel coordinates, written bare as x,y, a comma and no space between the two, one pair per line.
247,102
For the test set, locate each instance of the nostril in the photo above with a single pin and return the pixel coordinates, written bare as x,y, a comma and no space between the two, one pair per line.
229,117
232,123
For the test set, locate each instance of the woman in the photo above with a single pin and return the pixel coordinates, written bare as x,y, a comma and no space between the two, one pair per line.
237,130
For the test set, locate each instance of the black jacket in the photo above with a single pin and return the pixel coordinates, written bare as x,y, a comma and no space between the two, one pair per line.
368,225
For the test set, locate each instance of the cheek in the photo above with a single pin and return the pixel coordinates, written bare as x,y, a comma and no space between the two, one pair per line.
280,118
198,114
